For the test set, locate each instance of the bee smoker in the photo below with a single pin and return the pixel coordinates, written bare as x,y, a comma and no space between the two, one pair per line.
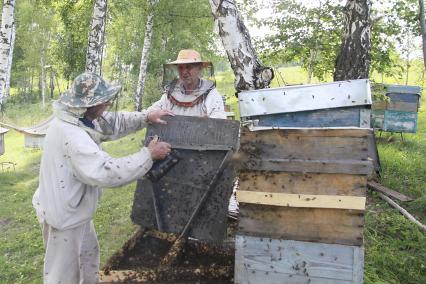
161,167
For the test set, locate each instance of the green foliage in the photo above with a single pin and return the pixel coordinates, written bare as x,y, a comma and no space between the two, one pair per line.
70,43
309,35
177,25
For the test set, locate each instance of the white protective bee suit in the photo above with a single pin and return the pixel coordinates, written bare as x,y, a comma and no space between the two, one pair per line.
73,170
205,101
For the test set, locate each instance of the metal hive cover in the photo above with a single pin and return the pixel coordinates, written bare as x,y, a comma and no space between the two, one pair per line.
203,143
305,98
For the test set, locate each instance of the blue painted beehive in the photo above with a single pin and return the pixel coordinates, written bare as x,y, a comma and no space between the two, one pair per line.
336,104
400,113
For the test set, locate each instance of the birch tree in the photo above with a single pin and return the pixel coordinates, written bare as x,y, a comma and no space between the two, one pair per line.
248,70
7,23
9,63
353,62
139,94
423,29
96,37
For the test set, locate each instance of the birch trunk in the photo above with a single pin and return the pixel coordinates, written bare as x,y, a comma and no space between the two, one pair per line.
312,59
7,23
423,29
353,62
407,58
140,89
51,84
248,70
96,37
43,81
9,63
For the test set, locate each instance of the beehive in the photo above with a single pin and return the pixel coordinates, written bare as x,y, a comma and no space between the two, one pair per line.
303,184
3,131
400,113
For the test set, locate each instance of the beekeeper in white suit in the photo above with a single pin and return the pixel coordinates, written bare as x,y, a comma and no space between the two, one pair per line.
74,168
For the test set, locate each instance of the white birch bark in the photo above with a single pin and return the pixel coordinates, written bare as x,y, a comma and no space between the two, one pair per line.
140,89
7,23
9,63
353,62
43,80
96,37
423,29
249,72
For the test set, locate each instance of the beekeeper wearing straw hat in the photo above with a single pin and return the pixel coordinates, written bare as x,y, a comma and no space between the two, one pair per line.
187,92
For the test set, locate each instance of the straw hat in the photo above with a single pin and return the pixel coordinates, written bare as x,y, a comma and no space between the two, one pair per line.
189,56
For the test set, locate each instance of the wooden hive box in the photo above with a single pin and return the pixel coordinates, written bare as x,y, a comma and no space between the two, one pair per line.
3,131
303,187
400,113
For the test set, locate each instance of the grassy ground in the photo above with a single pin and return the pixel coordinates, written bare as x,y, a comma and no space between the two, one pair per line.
395,248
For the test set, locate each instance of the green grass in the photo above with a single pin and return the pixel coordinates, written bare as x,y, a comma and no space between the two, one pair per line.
395,248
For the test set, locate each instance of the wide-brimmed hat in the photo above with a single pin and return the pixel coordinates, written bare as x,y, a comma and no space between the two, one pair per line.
189,56
88,90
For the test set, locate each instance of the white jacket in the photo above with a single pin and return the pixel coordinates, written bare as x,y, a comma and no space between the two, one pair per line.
74,168
211,107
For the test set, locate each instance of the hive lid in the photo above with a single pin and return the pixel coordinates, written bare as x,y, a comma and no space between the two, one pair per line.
403,89
3,130
305,97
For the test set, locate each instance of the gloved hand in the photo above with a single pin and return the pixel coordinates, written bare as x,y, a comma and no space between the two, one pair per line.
158,149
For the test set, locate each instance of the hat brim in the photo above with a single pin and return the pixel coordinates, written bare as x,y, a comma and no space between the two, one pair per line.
190,61
86,102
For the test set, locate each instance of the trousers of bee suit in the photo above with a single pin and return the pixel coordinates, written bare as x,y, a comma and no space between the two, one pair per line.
72,256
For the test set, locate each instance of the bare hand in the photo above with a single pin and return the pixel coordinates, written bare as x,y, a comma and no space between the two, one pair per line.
155,115
159,150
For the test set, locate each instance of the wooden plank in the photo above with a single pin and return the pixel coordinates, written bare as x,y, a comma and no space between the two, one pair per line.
388,191
379,105
373,154
353,132
378,118
403,106
400,121
365,118
307,166
358,265
403,89
2,149
333,226
400,97
196,131
291,145
303,183
301,200
259,260
334,117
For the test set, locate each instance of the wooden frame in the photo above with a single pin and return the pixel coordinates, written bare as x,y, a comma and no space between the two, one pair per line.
301,200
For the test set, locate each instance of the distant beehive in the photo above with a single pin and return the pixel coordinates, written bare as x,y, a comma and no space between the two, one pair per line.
34,135
303,182
2,133
400,113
